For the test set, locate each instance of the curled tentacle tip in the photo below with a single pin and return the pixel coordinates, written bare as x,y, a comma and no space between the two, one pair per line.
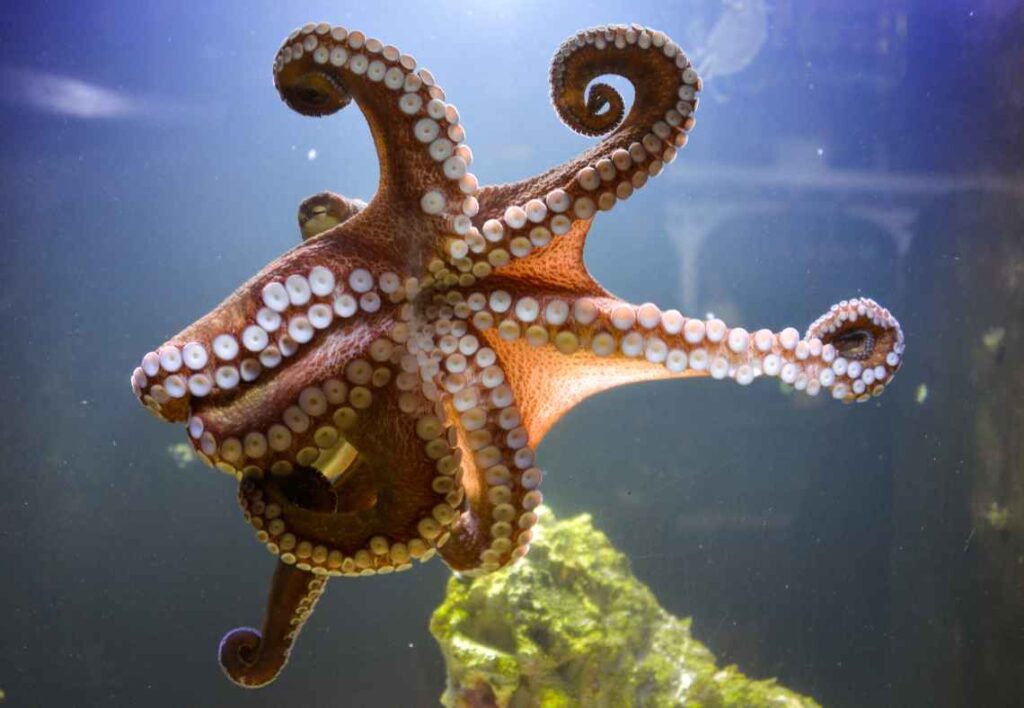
308,86
864,347
665,83
239,655
598,113
605,107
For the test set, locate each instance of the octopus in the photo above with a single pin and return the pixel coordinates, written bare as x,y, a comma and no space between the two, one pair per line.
379,390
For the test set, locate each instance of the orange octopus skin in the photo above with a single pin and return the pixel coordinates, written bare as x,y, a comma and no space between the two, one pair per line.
379,389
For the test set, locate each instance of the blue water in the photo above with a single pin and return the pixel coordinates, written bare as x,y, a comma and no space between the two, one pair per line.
148,167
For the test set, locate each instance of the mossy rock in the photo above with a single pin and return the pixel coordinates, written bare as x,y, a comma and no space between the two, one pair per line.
570,626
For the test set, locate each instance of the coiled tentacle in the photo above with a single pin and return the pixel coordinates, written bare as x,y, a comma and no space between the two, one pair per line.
516,220
252,658
420,141
647,58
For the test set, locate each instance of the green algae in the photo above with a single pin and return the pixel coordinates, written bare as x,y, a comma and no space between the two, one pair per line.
570,626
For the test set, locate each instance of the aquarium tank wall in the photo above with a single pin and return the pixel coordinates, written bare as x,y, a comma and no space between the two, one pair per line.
710,534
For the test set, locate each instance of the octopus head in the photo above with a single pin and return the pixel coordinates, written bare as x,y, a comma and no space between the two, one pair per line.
865,347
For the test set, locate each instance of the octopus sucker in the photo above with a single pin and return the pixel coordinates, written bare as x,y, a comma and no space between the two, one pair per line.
379,390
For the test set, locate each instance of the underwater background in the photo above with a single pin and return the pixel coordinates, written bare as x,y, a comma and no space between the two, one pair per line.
865,555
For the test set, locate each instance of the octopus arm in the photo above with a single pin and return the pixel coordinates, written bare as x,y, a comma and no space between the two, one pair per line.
253,658
418,136
517,219
394,476
498,476
520,380
537,352
393,487
558,345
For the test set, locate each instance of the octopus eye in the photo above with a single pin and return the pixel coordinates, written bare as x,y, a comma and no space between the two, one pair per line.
855,344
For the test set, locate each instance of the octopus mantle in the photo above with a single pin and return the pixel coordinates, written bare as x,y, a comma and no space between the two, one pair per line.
379,390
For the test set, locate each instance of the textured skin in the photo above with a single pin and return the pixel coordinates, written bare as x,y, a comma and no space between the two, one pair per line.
379,389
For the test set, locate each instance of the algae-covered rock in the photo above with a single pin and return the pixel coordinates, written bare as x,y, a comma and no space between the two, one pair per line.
570,626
